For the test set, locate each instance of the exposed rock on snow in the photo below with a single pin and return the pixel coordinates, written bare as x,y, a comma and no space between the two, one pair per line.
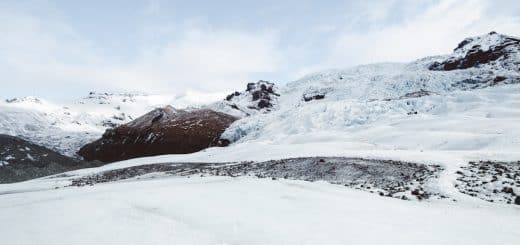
161,131
387,178
314,94
21,160
259,97
491,181
492,49
28,99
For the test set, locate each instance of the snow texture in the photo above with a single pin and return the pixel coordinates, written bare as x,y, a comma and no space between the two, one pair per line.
244,210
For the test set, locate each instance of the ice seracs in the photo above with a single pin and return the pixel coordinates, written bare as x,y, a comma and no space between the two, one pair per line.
354,101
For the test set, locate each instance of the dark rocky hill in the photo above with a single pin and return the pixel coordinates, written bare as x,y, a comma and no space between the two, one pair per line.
161,131
21,160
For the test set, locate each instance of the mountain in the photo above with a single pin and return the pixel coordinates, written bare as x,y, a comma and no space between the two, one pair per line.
417,105
68,126
21,160
161,131
168,130
492,50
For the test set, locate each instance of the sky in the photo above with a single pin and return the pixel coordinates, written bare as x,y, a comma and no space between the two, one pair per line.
63,49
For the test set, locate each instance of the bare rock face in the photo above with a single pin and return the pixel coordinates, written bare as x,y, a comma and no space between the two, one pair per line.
21,160
491,49
161,131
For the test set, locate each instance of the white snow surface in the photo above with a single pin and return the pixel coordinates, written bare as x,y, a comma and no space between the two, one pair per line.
224,210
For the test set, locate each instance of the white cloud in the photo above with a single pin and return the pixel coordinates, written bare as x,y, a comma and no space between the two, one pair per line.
432,31
201,59
39,54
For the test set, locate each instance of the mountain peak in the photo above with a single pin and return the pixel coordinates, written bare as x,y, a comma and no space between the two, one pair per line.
26,99
490,49
485,42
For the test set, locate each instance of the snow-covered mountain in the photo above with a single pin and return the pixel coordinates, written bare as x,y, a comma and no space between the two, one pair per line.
68,126
21,160
379,106
402,105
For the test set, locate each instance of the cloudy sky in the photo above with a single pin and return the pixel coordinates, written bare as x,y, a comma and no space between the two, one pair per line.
64,48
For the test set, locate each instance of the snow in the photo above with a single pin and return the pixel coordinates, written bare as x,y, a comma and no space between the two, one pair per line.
30,157
222,210
4,163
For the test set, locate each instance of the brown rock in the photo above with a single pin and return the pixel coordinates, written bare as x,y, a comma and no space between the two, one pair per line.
161,131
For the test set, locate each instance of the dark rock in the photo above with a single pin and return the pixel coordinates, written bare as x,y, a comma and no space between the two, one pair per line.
256,95
161,131
230,97
250,87
416,94
21,160
261,93
508,190
416,192
517,200
499,79
264,104
307,98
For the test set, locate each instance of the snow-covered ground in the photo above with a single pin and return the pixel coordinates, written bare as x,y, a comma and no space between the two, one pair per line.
223,210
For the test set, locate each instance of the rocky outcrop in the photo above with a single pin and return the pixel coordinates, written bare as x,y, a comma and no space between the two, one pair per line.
259,97
492,49
161,131
21,160
314,94
492,181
